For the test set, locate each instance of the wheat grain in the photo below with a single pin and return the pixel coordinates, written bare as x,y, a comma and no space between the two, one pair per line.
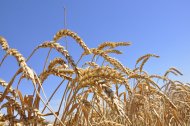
4,43
67,32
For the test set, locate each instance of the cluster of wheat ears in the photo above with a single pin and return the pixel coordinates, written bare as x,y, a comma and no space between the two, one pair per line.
102,92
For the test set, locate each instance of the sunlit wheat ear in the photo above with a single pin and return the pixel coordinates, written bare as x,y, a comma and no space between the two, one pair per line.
144,77
174,71
114,51
159,77
21,61
60,49
112,44
142,64
57,72
66,32
57,61
113,61
92,64
127,86
144,59
145,56
104,72
185,87
11,90
4,43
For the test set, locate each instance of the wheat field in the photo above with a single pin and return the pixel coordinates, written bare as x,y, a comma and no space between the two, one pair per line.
100,92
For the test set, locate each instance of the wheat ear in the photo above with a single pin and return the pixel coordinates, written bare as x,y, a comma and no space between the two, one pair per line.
66,32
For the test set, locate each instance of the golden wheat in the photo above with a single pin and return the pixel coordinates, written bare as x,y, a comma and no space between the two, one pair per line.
98,92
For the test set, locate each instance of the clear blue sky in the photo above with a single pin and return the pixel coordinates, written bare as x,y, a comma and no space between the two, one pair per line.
161,27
